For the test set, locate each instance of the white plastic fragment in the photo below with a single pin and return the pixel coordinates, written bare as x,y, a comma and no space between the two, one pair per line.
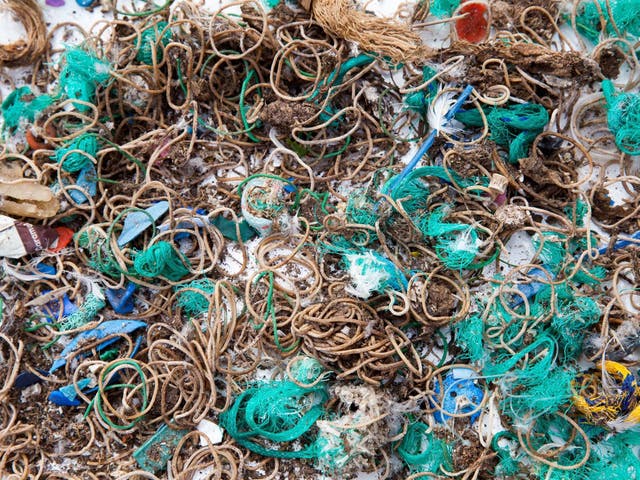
211,430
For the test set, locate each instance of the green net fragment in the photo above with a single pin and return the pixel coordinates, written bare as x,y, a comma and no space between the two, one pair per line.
153,39
422,451
468,334
594,19
371,272
269,418
623,117
193,297
89,310
101,257
161,259
419,101
443,8
514,127
22,105
78,153
82,72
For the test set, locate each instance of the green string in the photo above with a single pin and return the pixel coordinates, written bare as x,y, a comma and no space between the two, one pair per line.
76,161
85,314
514,127
161,260
97,400
270,311
422,451
623,117
82,72
277,412
153,38
193,297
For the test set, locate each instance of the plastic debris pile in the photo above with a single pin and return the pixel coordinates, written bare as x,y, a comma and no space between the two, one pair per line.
298,240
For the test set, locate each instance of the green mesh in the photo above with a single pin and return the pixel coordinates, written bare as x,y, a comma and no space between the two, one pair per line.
514,127
572,317
193,297
82,72
161,259
623,117
76,161
624,12
22,105
469,333
85,314
443,8
457,243
156,37
419,101
101,257
553,251
423,452
267,419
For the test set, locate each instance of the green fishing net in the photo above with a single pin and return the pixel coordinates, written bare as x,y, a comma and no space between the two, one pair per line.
267,419
76,160
592,14
623,116
422,451
443,8
82,72
161,259
153,39
514,127
86,313
22,105
193,297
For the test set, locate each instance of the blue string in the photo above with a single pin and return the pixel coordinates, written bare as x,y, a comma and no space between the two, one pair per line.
428,143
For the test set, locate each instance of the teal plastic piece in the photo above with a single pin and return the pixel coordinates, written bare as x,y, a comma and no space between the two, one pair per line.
154,454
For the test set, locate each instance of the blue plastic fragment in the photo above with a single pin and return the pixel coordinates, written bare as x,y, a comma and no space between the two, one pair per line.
52,308
26,379
137,222
105,329
121,300
460,395
154,454
67,396
290,188
87,181
46,269
85,3
530,289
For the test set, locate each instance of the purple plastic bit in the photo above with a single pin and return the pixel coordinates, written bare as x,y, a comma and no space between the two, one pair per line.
55,3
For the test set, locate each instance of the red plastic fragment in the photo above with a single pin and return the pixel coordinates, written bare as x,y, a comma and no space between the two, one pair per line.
474,27
64,237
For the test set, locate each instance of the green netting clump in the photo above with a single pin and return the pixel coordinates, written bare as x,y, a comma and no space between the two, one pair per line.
623,117
371,272
422,451
161,259
71,154
153,39
443,8
592,14
82,72
92,305
279,413
22,105
514,127
193,297
419,101
101,257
